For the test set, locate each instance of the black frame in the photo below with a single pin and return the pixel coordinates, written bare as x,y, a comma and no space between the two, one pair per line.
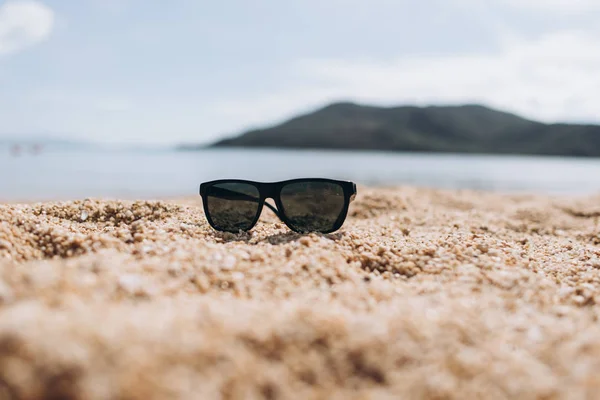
272,190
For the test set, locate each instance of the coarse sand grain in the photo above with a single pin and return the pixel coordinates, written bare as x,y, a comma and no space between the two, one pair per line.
423,293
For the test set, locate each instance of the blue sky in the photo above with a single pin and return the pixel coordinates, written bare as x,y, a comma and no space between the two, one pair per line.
192,71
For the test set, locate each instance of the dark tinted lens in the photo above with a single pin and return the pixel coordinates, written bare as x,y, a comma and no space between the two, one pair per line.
232,206
312,206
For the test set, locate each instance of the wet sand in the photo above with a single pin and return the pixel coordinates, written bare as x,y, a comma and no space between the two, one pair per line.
422,294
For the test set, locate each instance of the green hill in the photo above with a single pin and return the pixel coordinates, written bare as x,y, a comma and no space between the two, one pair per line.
466,128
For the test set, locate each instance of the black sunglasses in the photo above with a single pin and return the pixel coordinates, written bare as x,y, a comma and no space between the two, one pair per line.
304,205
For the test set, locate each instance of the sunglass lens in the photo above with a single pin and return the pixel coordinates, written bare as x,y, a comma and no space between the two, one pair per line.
232,206
312,206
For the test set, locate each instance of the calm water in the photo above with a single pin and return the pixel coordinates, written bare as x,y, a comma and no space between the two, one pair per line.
129,174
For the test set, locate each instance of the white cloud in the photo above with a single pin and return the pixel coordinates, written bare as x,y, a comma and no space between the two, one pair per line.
561,6
23,23
98,101
114,104
554,78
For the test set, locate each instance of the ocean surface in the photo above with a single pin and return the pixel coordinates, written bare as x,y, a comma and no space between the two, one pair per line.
78,174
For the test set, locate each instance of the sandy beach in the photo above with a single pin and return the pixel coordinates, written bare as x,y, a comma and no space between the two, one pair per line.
422,294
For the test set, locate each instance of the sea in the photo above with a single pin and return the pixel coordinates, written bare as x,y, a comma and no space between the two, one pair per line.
69,174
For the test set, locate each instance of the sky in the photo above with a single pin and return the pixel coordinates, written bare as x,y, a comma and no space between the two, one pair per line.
158,72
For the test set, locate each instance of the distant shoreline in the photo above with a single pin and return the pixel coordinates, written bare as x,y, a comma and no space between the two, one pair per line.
200,148
466,129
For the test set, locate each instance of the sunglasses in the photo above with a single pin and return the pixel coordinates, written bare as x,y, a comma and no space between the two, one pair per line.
304,205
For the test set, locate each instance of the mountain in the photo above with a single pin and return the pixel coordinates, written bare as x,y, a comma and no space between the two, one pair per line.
467,128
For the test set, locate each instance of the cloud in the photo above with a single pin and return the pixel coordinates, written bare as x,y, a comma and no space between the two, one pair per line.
560,6
23,23
563,8
114,104
63,98
553,78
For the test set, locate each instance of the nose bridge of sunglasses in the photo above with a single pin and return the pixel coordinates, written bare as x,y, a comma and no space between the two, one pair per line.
269,191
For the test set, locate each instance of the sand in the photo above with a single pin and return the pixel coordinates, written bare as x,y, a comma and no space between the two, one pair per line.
422,294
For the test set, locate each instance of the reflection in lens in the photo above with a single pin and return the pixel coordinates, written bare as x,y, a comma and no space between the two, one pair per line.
232,206
312,206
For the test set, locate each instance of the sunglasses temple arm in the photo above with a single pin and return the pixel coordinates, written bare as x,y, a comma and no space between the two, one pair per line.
273,209
233,195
